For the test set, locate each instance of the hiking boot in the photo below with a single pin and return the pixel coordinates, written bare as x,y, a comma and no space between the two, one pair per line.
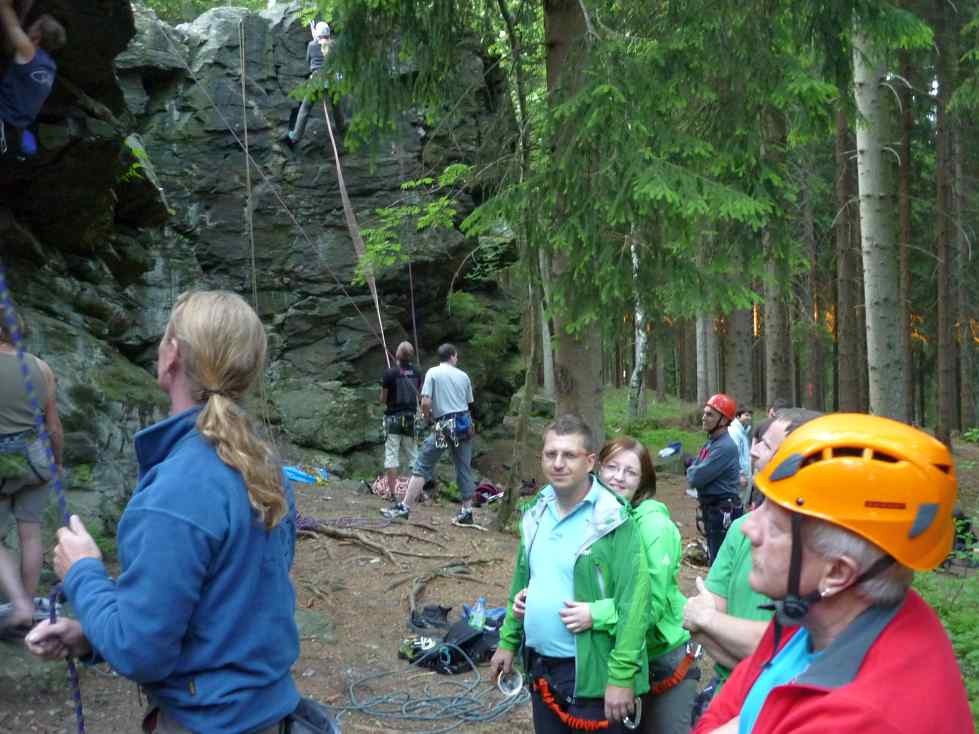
398,512
465,517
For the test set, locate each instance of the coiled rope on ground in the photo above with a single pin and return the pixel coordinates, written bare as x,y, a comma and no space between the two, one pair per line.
456,702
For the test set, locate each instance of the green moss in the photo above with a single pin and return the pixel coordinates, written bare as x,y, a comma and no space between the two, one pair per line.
123,382
81,476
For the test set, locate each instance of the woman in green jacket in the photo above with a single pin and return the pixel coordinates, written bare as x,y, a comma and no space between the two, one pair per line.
625,465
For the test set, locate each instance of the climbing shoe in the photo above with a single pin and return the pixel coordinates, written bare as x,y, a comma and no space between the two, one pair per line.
465,517
288,141
398,512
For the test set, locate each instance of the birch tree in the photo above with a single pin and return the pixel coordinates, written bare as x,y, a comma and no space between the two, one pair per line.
878,238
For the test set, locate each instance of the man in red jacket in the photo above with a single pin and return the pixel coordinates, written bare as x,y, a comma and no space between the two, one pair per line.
854,504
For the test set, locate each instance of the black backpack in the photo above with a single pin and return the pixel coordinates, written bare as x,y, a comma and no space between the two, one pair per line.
447,657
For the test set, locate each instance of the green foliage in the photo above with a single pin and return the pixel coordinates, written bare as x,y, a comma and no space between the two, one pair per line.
181,11
956,599
139,163
430,205
971,434
490,331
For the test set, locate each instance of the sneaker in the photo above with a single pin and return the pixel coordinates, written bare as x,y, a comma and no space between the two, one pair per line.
398,512
465,517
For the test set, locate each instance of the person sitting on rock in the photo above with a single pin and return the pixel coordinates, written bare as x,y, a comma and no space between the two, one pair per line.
29,79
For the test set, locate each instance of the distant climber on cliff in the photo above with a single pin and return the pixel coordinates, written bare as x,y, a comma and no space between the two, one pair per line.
317,52
28,81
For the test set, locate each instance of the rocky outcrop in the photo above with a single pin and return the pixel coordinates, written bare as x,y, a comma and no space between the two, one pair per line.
140,193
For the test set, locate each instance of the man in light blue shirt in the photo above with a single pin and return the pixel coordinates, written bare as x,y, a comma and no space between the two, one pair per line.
579,544
740,433
552,558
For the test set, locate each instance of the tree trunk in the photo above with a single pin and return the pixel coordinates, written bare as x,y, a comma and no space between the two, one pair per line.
778,359
713,357
882,307
946,412
737,357
578,362
664,352
847,365
703,389
904,204
547,341
812,382
641,338
967,364
512,493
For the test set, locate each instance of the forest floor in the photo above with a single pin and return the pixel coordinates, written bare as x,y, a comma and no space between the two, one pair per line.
354,608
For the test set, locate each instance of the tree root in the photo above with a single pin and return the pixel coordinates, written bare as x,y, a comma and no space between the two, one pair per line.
457,570
353,536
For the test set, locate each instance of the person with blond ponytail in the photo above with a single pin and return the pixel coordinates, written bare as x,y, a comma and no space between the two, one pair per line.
201,614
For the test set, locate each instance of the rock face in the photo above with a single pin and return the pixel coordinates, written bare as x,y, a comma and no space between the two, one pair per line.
140,193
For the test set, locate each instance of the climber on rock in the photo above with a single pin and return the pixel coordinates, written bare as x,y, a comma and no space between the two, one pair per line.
29,79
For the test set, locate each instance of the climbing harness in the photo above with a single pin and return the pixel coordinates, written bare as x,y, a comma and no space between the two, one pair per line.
694,651
542,687
452,428
10,315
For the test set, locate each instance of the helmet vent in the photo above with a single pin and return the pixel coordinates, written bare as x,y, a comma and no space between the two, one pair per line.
856,451
880,456
944,468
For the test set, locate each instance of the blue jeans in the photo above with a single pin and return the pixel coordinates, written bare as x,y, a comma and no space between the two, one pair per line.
462,455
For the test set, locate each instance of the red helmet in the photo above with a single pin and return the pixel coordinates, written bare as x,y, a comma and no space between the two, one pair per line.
723,404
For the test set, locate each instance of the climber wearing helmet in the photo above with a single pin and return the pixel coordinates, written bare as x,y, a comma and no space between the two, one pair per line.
854,504
715,473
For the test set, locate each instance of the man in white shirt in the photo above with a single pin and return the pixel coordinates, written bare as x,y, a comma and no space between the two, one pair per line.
446,403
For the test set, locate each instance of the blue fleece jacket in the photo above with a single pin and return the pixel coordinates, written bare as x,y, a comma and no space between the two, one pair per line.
714,474
202,612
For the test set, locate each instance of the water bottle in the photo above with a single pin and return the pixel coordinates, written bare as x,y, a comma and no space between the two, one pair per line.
477,616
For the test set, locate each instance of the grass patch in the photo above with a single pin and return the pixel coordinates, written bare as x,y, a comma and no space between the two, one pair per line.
956,599
659,427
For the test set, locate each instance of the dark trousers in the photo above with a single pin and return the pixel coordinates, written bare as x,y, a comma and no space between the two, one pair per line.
560,675
718,516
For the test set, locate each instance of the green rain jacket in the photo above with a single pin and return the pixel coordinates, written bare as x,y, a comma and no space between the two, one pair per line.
609,564
661,541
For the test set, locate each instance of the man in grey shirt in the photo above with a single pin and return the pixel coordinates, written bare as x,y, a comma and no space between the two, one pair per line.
446,403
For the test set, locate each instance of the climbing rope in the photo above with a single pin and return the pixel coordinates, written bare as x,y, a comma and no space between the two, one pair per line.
459,703
10,316
271,186
355,235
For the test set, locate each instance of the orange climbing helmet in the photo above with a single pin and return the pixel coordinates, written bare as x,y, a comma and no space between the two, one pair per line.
883,480
723,404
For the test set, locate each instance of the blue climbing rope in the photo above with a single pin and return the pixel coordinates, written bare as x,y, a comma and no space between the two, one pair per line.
10,316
